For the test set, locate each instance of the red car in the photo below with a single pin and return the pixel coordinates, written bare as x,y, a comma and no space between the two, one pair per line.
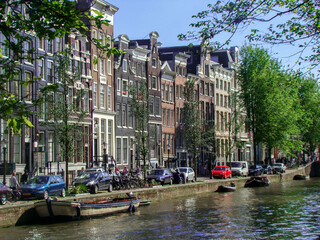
221,172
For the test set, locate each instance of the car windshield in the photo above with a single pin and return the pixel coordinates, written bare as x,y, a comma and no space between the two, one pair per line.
235,164
157,172
38,180
219,168
183,170
87,175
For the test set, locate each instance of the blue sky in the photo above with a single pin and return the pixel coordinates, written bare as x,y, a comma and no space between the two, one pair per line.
137,18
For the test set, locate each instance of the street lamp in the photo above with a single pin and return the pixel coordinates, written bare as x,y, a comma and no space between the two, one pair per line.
168,154
4,146
105,155
210,162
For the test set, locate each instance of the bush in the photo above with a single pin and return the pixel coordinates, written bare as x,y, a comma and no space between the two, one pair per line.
81,188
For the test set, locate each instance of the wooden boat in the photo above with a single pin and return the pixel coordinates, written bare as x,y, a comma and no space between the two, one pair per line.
260,181
226,188
299,177
65,210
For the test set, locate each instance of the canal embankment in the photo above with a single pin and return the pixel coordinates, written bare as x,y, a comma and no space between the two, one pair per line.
22,212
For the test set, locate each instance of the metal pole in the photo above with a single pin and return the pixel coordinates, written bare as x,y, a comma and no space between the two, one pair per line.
5,168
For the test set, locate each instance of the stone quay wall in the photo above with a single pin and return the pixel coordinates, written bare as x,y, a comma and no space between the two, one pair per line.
22,212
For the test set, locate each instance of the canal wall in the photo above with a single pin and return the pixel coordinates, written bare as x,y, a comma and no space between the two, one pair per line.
22,212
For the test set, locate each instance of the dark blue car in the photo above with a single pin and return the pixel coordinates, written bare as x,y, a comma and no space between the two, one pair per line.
43,187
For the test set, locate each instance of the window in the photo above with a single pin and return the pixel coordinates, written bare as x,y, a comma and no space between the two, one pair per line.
119,86
102,67
157,106
207,89
59,44
103,131
109,67
206,71
118,115
162,91
124,115
171,93
154,82
212,90
154,62
86,101
50,72
95,94
41,69
110,141
101,38
225,86
202,88
221,84
95,63
28,51
167,92
110,98
164,116
130,117
94,33
41,43
221,100
76,45
28,86
118,150
103,95
151,107
50,46
228,86
125,150
217,99
70,97
3,46
125,87
124,65
217,83
16,85
225,101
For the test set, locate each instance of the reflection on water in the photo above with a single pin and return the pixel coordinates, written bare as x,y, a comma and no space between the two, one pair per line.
281,211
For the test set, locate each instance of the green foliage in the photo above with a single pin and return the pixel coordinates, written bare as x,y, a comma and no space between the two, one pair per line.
286,22
139,109
81,188
20,22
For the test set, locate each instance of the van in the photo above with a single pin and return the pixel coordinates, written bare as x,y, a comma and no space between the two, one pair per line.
239,168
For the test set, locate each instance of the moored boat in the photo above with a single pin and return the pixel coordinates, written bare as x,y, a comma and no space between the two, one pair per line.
226,188
65,210
261,181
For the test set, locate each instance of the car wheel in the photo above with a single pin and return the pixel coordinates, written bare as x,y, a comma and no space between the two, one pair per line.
45,194
3,199
63,192
94,189
110,188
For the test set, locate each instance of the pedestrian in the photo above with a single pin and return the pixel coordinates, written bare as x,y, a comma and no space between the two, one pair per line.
81,171
139,173
117,171
125,171
24,177
14,185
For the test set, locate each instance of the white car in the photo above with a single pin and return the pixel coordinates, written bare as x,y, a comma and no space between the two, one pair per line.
279,167
188,173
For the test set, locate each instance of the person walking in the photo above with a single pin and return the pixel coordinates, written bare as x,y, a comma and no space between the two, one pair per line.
14,185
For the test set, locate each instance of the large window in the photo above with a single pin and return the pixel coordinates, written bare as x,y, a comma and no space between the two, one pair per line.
102,67
110,141
50,72
118,151
95,94
125,151
154,82
151,105
157,106
118,116
125,87
110,98
124,115
124,65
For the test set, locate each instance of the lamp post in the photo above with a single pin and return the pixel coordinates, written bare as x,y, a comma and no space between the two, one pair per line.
168,154
4,147
105,155
210,162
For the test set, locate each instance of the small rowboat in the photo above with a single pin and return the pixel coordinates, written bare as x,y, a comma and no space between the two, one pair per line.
258,182
226,188
65,210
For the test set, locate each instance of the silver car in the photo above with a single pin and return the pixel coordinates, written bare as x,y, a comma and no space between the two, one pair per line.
188,173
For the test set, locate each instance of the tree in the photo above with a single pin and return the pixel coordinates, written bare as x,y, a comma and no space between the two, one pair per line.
192,121
299,23
20,22
64,109
268,96
139,108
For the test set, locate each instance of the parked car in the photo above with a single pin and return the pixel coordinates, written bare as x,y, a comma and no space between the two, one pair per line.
221,172
255,170
94,181
163,176
43,187
279,167
188,173
239,168
5,194
267,169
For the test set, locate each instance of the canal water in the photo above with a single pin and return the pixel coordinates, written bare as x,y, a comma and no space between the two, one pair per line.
289,210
